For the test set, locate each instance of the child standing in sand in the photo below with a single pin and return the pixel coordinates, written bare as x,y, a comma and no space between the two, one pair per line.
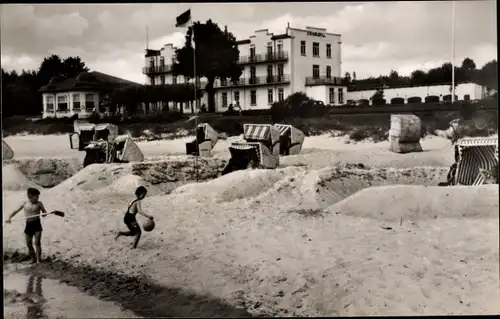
129,218
32,210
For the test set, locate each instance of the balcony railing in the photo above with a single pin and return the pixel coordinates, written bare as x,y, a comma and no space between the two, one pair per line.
323,80
158,69
265,57
261,80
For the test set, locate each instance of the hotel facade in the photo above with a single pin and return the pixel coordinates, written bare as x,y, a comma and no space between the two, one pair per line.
274,67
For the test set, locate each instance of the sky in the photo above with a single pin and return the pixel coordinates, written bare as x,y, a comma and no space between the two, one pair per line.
377,37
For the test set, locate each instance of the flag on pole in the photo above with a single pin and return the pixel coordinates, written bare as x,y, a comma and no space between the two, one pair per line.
183,19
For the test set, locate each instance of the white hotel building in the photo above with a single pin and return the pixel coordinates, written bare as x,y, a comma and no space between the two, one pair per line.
274,66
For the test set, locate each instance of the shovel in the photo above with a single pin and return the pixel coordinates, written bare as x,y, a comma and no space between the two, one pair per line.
55,212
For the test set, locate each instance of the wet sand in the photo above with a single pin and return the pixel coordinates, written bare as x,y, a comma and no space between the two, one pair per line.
71,292
30,294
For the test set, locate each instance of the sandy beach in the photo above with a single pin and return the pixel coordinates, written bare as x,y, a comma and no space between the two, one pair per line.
339,229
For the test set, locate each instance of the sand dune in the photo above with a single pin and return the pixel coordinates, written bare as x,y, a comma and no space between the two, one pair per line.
14,180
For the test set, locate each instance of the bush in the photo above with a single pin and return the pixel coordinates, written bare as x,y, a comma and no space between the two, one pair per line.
467,111
377,134
378,101
278,111
298,105
447,98
431,99
359,134
415,99
398,100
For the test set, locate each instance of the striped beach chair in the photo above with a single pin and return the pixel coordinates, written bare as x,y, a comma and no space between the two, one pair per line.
7,152
291,139
475,157
260,148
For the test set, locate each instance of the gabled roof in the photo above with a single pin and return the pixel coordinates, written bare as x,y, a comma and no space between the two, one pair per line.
86,81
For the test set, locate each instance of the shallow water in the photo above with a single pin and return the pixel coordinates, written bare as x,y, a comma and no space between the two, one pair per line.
31,295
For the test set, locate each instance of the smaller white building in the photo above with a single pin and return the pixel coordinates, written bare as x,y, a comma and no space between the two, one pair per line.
463,91
80,95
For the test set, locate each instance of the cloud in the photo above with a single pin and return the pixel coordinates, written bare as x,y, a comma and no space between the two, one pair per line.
376,36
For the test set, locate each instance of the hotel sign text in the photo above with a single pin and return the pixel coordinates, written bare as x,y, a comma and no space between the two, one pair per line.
316,34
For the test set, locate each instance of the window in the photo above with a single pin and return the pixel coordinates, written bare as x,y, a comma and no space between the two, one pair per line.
76,102
316,49
62,103
252,52
279,48
174,80
315,71
281,94
237,96
253,79
253,97
89,101
224,99
269,73
50,103
466,97
151,62
341,96
270,96
223,82
152,81
331,96
280,72
162,61
303,48
328,72
329,51
162,80
270,49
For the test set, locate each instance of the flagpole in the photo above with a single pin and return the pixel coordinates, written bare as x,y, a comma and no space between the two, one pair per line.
453,54
195,102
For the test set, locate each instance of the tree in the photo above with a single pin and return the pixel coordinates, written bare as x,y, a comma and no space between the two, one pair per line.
217,56
347,78
468,65
393,79
353,76
72,66
488,75
418,77
50,67
378,95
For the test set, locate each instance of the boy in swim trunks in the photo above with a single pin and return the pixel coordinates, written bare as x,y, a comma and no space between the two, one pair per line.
32,210
129,218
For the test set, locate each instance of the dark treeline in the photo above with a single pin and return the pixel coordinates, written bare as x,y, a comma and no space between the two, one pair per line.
20,94
466,72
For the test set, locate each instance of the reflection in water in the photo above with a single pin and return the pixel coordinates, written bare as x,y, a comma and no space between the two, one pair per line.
35,293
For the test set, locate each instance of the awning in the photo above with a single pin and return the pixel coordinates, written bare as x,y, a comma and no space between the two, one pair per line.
259,132
243,147
101,127
477,141
86,126
283,128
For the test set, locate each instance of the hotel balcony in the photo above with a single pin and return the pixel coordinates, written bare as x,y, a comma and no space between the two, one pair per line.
158,69
255,81
263,58
323,80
